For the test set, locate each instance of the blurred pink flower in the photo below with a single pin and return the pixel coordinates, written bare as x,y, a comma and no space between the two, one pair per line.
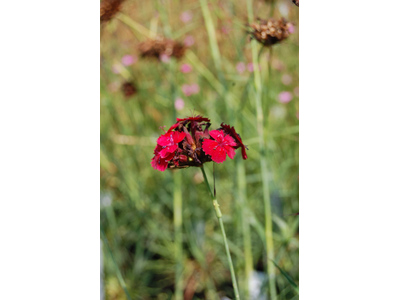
286,79
240,67
186,16
195,88
116,69
277,64
186,68
226,29
285,97
291,28
179,104
188,89
128,60
250,67
189,41
296,91
165,58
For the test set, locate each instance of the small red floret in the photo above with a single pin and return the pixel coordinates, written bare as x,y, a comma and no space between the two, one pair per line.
220,146
169,142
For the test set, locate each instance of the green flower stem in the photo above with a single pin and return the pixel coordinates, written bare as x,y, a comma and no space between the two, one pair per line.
212,37
263,162
216,55
221,224
178,235
139,30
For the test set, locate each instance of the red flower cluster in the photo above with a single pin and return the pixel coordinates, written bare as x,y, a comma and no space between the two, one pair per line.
189,143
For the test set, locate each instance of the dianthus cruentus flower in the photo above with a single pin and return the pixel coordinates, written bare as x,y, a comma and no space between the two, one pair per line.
189,143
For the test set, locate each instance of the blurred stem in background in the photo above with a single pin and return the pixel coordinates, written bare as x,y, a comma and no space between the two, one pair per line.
263,161
178,234
212,36
246,232
221,224
172,66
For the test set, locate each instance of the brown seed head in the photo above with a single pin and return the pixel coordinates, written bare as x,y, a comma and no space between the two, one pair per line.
108,9
129,89
270,32
159,46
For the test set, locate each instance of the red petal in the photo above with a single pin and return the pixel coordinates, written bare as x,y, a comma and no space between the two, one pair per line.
165,139
229,140
217,135
167,151
173,127
178,136
244,155
219,155
230,151
209,146
159,163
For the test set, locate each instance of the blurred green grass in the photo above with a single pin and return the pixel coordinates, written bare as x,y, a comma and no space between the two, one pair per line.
138,223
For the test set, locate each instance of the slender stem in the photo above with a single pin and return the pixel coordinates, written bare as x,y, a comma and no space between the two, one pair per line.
212,37
221,224
178,235
215,53
263,162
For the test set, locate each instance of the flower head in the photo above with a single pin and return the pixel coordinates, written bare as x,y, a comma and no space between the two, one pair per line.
270,32
108,9
161,47
129,89
189,143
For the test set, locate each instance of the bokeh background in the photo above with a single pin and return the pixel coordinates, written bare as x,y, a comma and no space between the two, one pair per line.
146,252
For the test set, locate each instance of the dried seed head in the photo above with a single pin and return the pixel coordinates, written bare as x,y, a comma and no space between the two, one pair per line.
270,32
108,9
161,46
129,89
